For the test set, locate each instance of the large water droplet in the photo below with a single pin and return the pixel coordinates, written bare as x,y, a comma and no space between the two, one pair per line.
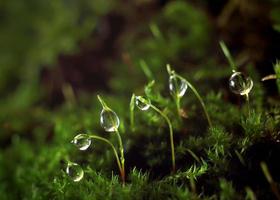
240,84
177,86
82,141
75,171
109,120
142,103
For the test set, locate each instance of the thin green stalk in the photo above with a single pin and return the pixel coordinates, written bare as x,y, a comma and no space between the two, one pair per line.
115,153
178,106
104,105
270,180
132,106
228,56
122,153
121,164
171,135
200,100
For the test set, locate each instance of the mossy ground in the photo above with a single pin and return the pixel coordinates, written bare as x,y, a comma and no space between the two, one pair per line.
56,60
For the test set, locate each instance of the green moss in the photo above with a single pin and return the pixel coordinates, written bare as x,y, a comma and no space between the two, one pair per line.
210,162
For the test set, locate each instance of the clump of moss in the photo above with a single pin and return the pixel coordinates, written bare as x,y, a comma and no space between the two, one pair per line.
221,161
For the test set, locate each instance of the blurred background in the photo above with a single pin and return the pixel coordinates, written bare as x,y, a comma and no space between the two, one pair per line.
56,55
94,45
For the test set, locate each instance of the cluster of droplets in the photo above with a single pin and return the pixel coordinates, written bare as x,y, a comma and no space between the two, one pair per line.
74,170
109,121
240,84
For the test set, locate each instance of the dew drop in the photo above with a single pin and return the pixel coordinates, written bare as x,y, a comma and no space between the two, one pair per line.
177,86
240,84
142,103
109,120
82,141
75,171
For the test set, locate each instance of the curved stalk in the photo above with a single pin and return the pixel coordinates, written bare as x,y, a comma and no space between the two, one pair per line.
228,56
122,154
199,99
171,135
115,153
120,163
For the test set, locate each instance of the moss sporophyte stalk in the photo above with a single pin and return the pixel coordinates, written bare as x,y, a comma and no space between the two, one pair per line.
144,104
178,86
81,141
110,122
238,82
131,108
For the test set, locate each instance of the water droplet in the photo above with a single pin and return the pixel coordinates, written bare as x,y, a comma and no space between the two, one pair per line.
75,171
142,103
177,86
82,141
240,84
109,120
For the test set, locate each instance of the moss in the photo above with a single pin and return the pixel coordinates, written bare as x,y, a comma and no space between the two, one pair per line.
219,162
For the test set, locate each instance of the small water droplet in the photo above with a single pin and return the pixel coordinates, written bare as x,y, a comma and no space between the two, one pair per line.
82,141
75,171
109,120
177,86
142,103
240,84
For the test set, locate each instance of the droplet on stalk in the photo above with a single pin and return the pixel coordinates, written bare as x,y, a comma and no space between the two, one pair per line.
109,120
74,171
240,84
177,86
82,141
142,103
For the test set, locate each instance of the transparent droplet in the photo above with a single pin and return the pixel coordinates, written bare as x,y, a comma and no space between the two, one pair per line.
177,86
82,141
109,120
240,84
142,103
75,171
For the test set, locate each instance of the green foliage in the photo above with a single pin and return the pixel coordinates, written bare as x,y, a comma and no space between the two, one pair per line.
32,36
35,138
252,125
277,72
227,190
